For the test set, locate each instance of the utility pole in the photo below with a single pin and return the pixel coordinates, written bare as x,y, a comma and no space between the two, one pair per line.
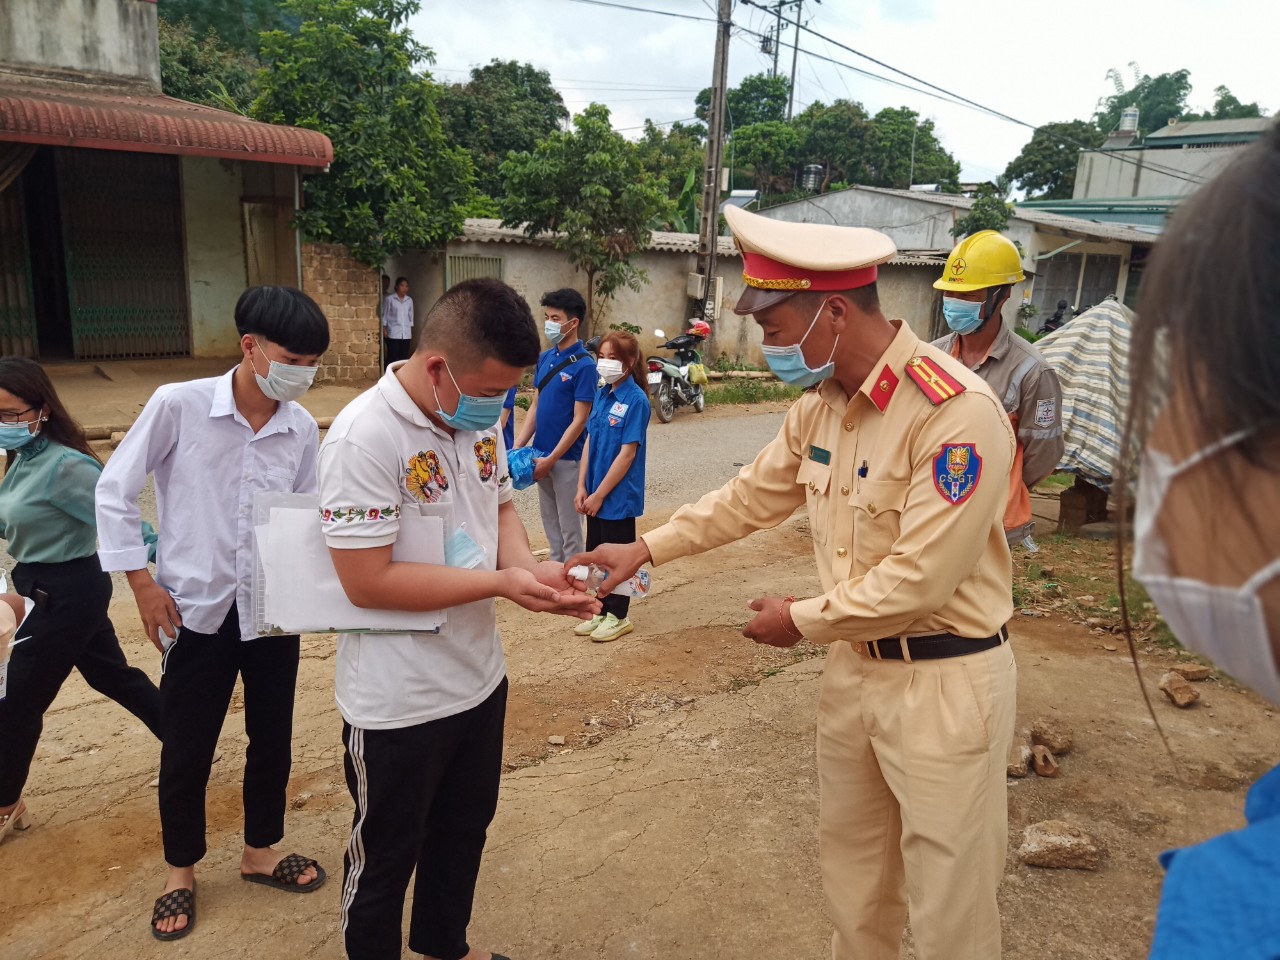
709,229
795,54
777,37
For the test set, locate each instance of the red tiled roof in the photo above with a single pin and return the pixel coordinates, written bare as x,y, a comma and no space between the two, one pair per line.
73,115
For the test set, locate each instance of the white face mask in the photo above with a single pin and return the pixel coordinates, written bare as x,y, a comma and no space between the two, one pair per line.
1226,624
610,370
283,381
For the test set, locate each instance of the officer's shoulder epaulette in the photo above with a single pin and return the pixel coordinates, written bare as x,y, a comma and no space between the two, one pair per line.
936,384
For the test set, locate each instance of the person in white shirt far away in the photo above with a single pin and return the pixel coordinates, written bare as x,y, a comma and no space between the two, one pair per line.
397,323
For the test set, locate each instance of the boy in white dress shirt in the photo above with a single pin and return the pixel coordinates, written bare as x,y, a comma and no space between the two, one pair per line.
211,445
397,323
423,712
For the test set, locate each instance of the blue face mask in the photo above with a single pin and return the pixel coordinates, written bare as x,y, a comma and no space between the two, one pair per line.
788,363
554,331
473,413
16,435
962,316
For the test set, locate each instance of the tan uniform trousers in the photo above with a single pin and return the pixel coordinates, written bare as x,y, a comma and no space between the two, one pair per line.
911,763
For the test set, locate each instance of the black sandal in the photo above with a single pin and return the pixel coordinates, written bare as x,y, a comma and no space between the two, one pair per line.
285,875
175,903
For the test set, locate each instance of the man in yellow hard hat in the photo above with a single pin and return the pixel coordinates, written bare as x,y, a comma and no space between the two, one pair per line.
900,455
976,284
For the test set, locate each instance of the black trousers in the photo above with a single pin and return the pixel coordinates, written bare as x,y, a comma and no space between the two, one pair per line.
395,349
612,531
424,797
200,671
71,631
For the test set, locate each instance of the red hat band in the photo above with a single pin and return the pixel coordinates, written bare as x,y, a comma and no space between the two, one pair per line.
765,273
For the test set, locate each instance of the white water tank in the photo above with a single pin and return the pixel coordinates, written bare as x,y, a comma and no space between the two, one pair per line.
1129,120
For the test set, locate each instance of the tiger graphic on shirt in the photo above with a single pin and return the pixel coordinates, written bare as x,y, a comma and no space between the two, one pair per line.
424,479
486,451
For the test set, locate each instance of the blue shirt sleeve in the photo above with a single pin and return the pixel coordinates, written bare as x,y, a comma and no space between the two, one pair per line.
636,423
585,379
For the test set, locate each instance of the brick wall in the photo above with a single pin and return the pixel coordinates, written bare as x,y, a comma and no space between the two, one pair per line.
347,292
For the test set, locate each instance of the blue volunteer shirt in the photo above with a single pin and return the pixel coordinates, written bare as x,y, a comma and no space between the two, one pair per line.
575,382
1220,897
509,431
618,416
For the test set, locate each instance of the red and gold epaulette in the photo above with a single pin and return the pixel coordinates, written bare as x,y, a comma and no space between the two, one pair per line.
936,384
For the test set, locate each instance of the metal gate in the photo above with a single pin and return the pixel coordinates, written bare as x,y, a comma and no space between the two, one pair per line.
126,269
457,269
17,305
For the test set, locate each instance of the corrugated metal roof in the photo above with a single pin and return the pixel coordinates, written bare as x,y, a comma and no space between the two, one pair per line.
483,230
1090,229
86,116
1212,128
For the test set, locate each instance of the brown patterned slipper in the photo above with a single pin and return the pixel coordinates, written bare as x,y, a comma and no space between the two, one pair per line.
175,903
285,875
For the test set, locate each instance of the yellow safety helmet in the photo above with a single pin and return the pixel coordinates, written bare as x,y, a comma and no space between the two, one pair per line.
986,259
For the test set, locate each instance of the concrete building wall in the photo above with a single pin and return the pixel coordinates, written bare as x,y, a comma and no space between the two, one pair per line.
112,37
347,291
1107,174
211,191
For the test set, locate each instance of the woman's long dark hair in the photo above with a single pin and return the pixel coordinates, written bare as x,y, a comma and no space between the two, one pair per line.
1208,330
27,381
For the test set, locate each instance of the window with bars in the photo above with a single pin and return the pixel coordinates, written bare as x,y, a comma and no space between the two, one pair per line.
459,268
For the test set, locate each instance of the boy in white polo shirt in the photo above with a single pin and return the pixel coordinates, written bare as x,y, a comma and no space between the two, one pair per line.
424,712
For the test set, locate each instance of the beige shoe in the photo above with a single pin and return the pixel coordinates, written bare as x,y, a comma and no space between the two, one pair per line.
611,628
588,627
15,819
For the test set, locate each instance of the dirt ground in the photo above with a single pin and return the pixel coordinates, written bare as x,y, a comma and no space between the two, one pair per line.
678,819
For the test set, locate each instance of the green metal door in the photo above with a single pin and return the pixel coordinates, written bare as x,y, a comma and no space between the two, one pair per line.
126,269
17,305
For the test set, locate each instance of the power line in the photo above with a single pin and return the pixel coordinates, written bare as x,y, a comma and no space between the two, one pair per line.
665,13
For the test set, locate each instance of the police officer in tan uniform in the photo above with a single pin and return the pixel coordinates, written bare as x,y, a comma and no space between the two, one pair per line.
902,457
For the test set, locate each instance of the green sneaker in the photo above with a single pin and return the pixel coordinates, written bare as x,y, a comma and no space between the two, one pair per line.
611,628
587,627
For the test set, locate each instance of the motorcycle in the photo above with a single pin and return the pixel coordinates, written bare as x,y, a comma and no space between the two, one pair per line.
678,381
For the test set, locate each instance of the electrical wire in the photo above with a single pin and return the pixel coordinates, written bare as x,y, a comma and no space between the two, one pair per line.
665,13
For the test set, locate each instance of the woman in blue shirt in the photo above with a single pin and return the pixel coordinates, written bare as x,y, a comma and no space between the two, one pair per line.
47,517
611,472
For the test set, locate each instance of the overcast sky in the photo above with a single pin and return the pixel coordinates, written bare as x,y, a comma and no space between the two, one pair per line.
1035,61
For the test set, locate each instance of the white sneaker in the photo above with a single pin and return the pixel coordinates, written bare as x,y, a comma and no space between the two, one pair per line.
588,627
611,628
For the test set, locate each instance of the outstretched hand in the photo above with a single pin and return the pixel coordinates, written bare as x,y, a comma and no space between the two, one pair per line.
547,592
621,560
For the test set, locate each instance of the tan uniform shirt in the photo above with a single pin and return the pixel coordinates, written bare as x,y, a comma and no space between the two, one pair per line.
897,556
1028,390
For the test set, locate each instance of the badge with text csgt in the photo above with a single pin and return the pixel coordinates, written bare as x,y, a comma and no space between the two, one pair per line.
956,470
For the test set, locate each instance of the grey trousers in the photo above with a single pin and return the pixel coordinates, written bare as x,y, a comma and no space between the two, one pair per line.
560,519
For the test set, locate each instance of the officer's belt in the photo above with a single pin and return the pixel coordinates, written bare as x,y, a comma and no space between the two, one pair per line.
935,646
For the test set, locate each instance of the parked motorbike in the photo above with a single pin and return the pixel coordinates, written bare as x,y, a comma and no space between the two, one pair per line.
678,381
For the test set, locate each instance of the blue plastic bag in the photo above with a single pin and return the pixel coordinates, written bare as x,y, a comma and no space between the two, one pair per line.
520,464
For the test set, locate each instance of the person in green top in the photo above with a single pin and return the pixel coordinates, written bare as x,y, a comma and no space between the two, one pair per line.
47,516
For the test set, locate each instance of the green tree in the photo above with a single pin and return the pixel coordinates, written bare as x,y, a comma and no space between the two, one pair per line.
759,98
837,137
1046,167
505,106
1159,99
904,150
352,71
1226,106
238,23
205,70
587,187
671,154
990,211
770,148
